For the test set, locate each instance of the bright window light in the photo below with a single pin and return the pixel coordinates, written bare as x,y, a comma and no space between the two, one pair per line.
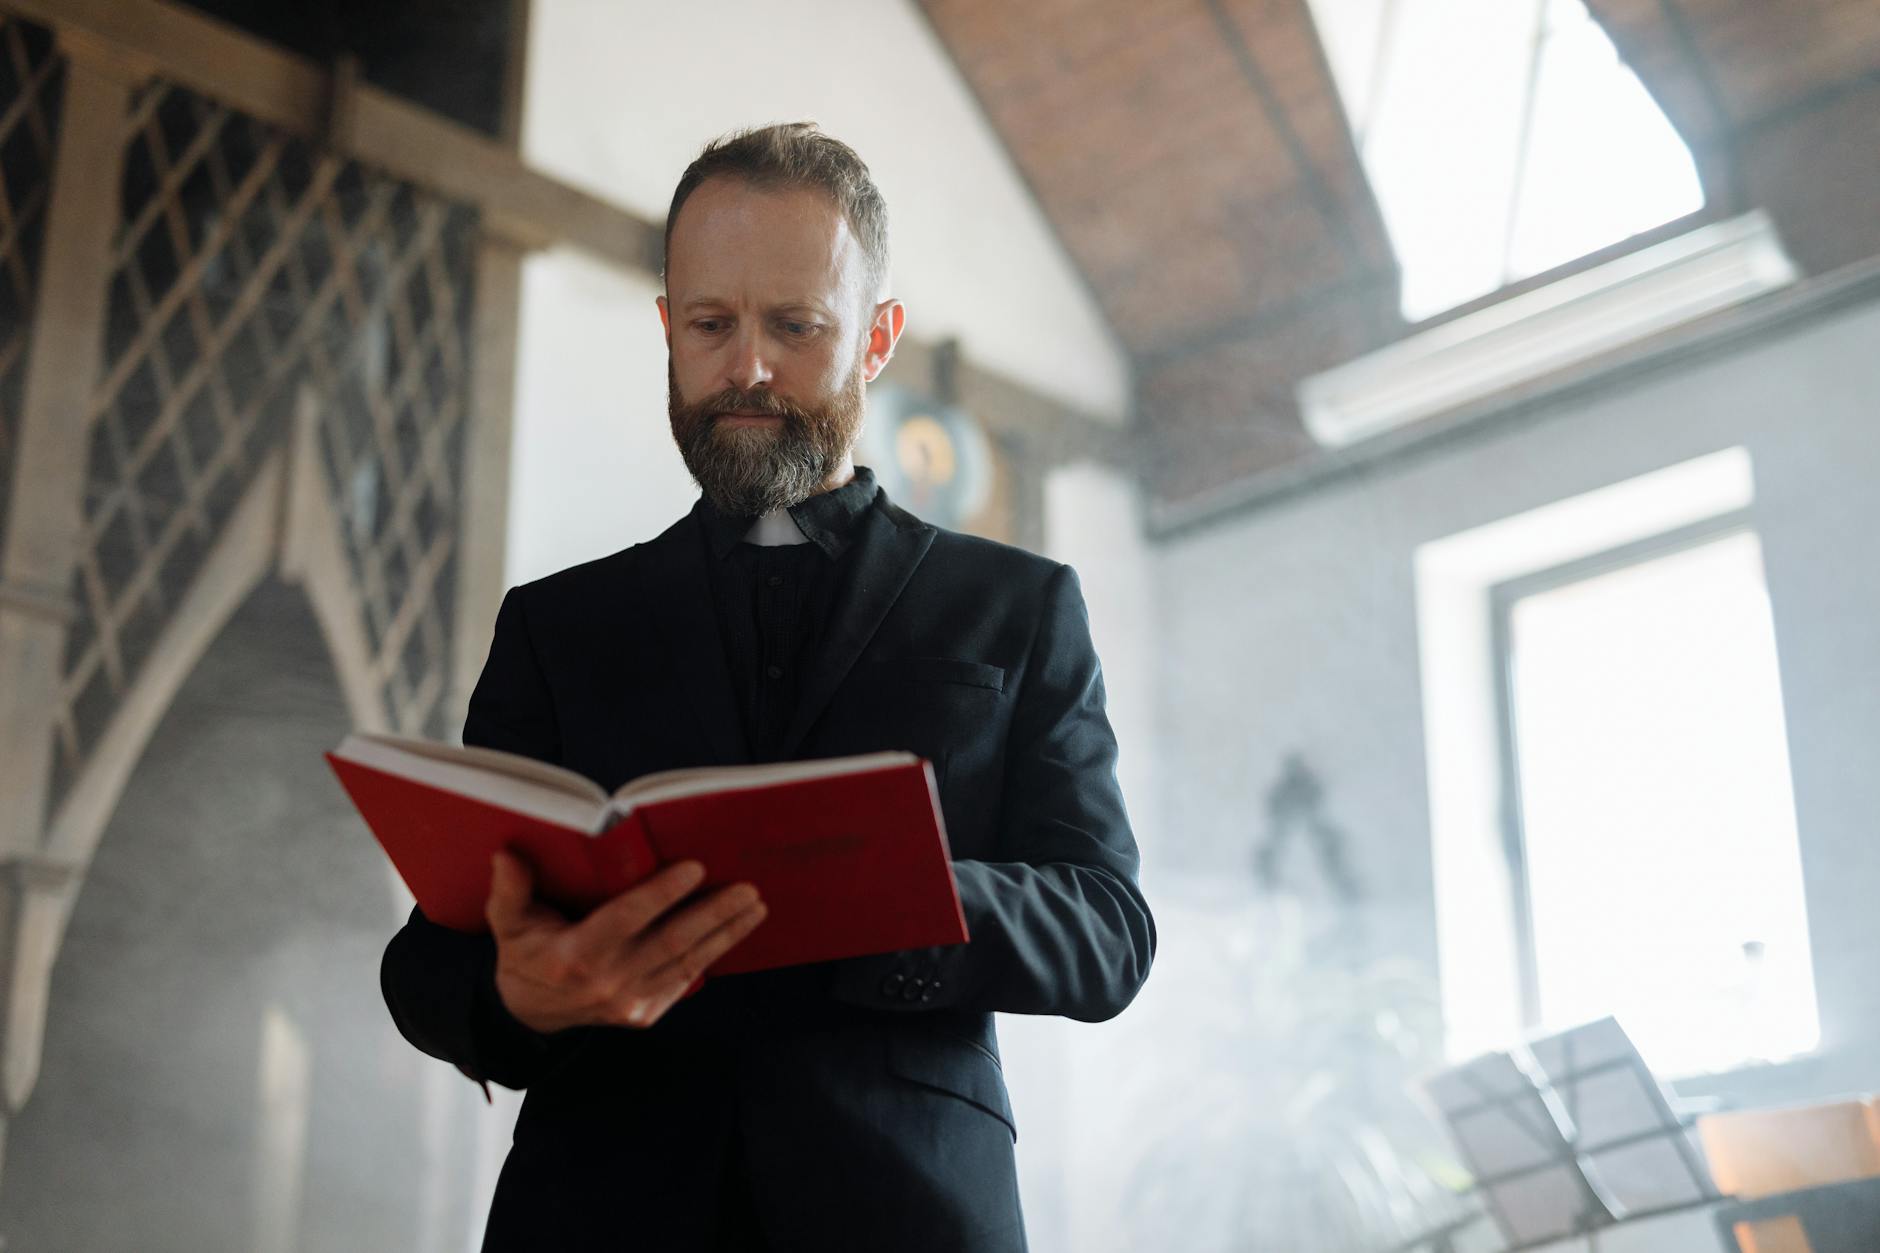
1502,138
1663,874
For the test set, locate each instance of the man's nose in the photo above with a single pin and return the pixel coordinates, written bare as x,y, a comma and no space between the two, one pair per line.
750,364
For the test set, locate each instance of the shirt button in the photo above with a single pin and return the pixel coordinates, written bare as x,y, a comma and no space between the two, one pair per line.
775,672
775,580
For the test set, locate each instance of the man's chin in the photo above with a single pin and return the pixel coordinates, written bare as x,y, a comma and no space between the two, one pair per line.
750,456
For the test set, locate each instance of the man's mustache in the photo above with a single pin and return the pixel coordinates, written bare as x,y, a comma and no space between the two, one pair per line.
756,400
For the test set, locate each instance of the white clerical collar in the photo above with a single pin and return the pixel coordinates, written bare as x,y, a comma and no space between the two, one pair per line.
775,528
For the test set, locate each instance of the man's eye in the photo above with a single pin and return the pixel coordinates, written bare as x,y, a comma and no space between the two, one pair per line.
797,329
710,326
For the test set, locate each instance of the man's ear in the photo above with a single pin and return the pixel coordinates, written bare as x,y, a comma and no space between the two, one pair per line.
665,318
890,317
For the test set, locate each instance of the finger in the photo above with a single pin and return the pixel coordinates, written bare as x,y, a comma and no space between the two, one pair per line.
697,959
673,938
644,1011
630,913
511,888
689,973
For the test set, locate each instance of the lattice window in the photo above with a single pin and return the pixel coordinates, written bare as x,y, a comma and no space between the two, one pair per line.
30,76
250,265
395,407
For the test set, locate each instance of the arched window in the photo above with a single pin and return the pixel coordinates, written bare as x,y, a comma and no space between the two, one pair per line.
1502,138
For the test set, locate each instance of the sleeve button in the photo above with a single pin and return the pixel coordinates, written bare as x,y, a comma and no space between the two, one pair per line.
891,986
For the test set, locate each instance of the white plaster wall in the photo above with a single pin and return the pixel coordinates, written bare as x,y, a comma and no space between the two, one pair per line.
1294,626
593,467
621,96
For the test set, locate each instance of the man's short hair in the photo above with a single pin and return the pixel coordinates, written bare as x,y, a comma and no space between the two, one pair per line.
796,154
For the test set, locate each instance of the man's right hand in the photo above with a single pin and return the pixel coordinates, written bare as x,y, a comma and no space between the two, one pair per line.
625,964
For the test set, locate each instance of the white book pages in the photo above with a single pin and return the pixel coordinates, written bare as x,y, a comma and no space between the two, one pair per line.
505,780
670,784
561,796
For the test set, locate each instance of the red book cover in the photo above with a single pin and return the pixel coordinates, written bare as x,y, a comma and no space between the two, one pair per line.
849,855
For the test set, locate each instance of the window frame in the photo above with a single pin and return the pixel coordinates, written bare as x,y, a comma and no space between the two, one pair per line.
1502,597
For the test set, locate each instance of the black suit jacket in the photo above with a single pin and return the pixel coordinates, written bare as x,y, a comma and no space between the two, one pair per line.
849,1105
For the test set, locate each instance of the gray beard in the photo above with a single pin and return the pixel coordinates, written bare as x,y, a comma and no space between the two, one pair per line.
750,471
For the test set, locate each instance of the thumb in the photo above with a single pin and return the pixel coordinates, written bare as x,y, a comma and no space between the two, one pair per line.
511,886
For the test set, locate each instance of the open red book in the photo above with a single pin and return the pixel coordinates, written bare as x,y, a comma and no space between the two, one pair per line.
848,853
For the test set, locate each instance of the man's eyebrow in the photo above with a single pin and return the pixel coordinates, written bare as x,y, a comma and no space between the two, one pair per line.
805,304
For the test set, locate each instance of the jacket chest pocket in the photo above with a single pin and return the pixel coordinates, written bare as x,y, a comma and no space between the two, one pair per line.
951,711
923,670
935,706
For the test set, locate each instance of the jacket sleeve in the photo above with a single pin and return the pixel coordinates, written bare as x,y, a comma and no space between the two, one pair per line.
1058,924
440,984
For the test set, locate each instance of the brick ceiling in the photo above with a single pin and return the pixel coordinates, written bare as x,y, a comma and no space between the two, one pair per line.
1738,61
1780,104
1191,153
1195,160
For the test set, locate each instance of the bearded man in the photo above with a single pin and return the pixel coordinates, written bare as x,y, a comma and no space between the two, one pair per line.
794,613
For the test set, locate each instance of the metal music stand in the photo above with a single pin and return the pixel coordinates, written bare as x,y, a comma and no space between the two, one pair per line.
1632,1145
1512,1139
1570,1135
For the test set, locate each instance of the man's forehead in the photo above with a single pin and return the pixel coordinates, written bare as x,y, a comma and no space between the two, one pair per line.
777,239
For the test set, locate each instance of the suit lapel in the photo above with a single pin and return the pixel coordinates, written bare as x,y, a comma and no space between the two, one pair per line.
681,602
890,545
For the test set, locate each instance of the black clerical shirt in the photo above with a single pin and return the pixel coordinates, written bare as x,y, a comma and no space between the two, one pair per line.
773,601
773,604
